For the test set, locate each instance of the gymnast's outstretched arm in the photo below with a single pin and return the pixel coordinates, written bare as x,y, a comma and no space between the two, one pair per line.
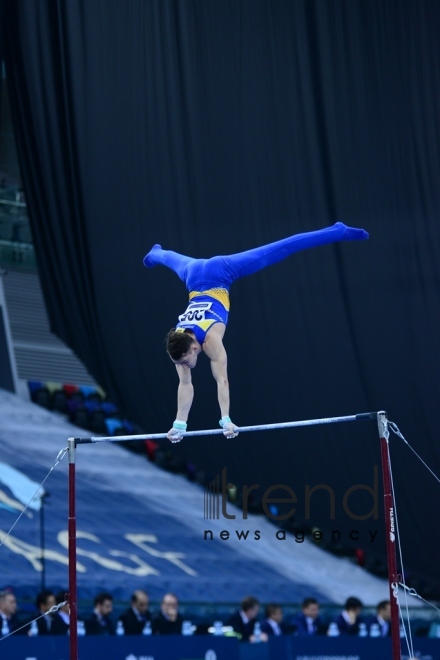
216,352
185,395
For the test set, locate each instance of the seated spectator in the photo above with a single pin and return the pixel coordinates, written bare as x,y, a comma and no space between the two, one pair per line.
382,619
349,619
135,617
273,623
168,621
8,613
243,620
45,624
308,621
61,621
99,623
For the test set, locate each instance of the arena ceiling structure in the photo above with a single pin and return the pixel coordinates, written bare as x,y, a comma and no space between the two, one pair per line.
214,127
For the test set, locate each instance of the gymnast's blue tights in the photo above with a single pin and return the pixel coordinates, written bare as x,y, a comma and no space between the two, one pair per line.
221,271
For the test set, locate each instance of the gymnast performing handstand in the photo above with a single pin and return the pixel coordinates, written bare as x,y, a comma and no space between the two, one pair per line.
202,326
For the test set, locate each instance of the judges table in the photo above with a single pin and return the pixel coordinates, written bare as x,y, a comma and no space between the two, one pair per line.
340,648
211,648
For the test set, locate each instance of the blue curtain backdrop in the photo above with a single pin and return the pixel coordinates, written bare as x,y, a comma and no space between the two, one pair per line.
212,127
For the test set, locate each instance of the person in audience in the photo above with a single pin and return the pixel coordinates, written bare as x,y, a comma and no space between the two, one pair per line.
273,623
168,621
45,623
100,623
135,617
349,619
61,621
382,618
8,613
308,621
243,620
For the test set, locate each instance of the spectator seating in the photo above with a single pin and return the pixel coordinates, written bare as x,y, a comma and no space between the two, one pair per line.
86,406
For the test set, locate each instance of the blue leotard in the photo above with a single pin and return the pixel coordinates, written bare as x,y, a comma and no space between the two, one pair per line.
204,310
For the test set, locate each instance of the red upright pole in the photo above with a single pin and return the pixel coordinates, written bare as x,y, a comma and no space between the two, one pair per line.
73,630
390,526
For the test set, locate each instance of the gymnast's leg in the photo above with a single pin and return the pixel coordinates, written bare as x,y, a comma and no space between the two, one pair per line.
223,270
176,262
233,266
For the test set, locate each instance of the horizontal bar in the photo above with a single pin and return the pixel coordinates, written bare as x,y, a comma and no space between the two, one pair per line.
241,429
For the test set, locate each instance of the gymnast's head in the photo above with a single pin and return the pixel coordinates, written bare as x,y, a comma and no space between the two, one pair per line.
183,348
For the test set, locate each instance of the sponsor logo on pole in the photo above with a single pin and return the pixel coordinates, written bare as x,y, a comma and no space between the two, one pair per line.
392,535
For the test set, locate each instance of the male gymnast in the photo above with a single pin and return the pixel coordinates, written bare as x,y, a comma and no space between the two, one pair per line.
202,326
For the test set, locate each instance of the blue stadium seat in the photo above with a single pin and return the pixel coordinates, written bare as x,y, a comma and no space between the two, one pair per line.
88,390
109,408
40,394
128,427
35,385
92,406
112,425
